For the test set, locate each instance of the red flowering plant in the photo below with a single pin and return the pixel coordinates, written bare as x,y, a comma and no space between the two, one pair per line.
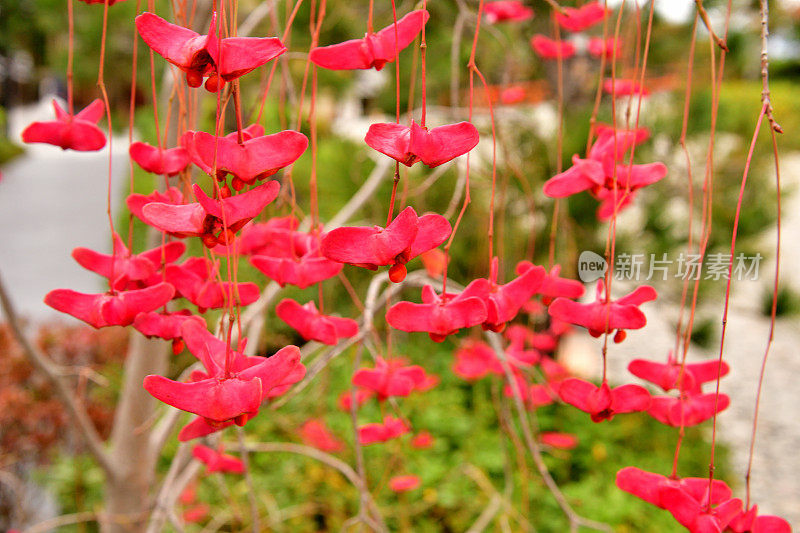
262,324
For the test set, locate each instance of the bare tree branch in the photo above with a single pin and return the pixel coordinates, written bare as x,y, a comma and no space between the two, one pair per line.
64,520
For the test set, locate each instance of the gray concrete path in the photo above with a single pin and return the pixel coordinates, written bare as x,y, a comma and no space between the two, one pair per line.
50,202
775,482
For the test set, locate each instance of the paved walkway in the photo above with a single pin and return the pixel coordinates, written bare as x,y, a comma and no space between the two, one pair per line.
52,201
775,481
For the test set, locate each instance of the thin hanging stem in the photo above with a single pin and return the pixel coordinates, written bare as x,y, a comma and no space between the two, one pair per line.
70,54
736,218
772,315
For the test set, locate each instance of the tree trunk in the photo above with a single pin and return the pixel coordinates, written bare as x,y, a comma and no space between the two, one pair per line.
127,493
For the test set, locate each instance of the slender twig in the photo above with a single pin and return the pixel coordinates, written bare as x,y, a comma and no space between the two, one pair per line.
255,17
479,477
488,514
765,95
316,367
248,477
575,520
64,520
41,362
455,48
707,22
181,470
329,460
357,447
217,521
175,521
554,5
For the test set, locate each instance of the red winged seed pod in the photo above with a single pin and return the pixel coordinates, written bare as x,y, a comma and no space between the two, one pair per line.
389,429
549,49
554,286
609,47
440,316
375,49
581,18
313,325
506,11
621,87
315,433
688,411
668,375
503,301
77,132
648,486
605,315
603,402
197,281
694,516
136,201
253,159
563,441
111,308
370,247
125,269
416,143
687,499
602,173
231,387
168,162
294,258
217,461
165,326
475,360
264,238
749,521
391,378
422,440
214,221
206,56
404,483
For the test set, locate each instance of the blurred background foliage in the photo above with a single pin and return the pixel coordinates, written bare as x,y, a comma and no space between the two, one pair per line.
469,438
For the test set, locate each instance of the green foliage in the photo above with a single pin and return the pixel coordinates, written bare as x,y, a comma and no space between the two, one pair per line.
788,301
469,438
